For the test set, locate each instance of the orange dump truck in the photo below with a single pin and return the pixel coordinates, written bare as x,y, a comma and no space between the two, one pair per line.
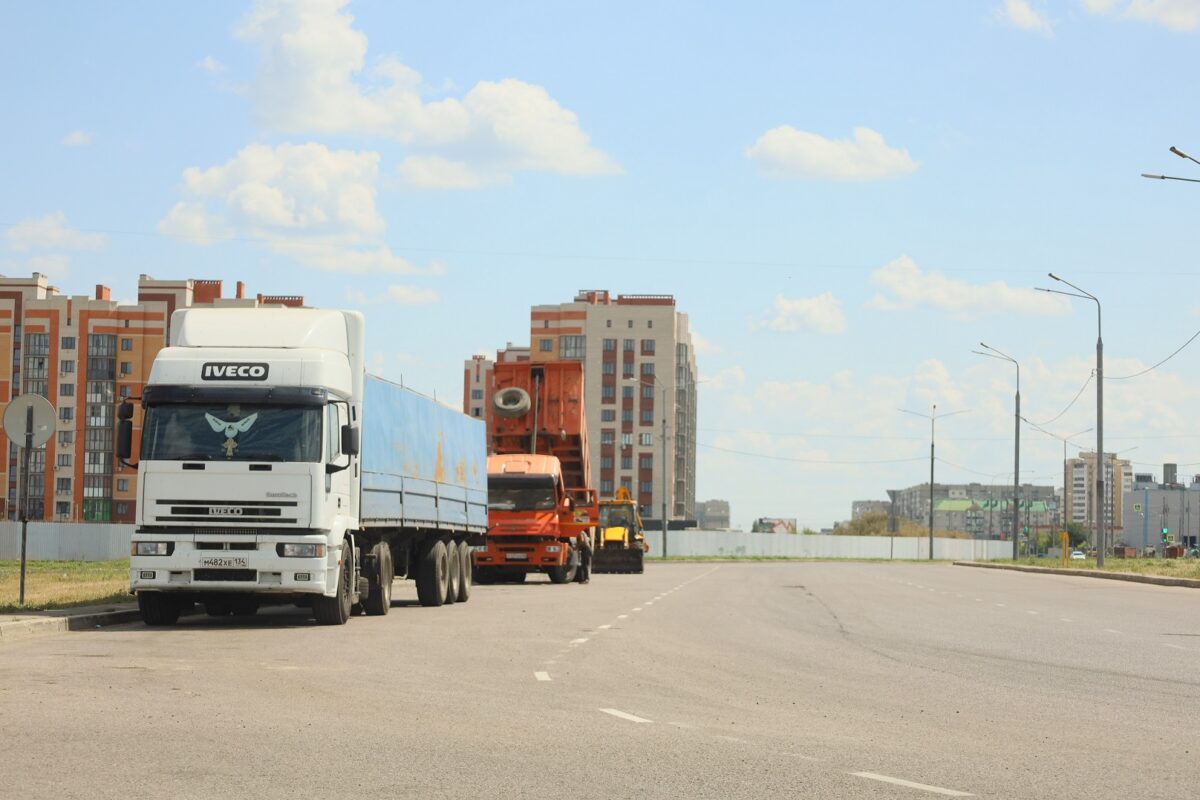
541,505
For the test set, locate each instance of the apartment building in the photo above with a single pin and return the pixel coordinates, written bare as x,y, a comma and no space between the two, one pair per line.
983,510
640,378
1079,489
479,384
86,354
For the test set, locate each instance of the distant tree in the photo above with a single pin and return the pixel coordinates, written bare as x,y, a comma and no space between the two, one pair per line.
1078,534
809,532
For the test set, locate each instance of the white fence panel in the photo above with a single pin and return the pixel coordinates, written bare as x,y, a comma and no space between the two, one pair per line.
64,541
737,543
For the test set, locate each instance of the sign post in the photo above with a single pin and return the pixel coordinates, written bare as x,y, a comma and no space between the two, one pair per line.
28,418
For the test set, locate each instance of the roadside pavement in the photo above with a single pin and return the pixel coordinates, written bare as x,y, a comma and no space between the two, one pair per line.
25,624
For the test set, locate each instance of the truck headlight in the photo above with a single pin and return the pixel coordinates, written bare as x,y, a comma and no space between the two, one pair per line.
553,548
152,548
301,550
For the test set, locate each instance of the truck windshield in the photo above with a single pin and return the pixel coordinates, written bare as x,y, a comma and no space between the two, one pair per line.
521,494
231,432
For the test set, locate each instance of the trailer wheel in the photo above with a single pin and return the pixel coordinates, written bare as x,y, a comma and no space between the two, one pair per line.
336,610
453,572
158,609
433,574
464,572
379,599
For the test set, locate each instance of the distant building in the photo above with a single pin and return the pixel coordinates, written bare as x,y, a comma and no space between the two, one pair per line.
85,354
1148,507
479,384
713,515
861,508
773,525
983,510
1079,492
639,370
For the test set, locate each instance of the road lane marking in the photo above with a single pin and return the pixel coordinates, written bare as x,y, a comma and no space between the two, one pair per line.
637,609
623,715
1175,646
578,641
622,616
1111,630
911,785
1033,612
801,755
542,676
1064,619
978,599
1000,605
605,627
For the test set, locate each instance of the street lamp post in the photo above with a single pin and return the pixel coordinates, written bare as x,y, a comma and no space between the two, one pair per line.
932,417
1016,437
1099,411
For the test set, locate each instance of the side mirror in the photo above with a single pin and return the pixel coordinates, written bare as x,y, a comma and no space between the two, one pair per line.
125,436
125,410
350,443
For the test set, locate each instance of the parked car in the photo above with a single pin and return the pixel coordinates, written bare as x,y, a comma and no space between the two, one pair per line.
1077,555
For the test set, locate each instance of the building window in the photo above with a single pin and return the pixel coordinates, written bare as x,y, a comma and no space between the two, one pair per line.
608,415
609,368
648,391
647,416
127,367
122,509
628,346
66,389
647,347
545,345
626,462
610,345
647,488
66,366
648,368
649,323
127,344
126,391
571,347
63,459
122,484
627,392
476,412
647,439
606,462
627,415
606,488
66,413
477,394
607,392
66,437
68,343
606,437
645,461
62,508
608,323
627,369
629,323
62,484
545,323
626,440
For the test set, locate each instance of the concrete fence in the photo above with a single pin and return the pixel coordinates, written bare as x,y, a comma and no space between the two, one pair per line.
725,543
60,541
64,541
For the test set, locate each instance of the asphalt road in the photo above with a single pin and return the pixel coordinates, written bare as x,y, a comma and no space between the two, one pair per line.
798,680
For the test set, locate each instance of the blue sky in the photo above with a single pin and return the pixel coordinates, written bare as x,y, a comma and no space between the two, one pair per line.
845,198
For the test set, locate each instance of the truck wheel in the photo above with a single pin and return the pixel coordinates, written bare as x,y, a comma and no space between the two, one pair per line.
557,574
432,575
379,600
336,610
565,573
464,572
453,572
157,608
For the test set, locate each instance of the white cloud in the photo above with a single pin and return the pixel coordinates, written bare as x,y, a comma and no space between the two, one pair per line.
1021,14
304,201
705,347
1178,15
791,153
211,65
56,267
822,314
77,139
398,294
51,233
312,79
906,287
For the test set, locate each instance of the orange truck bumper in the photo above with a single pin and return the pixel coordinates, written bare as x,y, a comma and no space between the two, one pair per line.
533,556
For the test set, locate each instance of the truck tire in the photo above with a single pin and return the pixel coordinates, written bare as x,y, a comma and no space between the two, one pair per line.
379,599
565,573
511,402
432,575
158,609
464,572
453,572
336,610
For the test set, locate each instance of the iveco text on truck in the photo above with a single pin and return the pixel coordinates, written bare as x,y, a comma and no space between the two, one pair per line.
273,469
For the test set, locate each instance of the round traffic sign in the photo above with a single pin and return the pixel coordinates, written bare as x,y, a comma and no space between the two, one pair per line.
16,414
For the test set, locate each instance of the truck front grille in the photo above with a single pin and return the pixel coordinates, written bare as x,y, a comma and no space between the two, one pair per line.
224,575
232,511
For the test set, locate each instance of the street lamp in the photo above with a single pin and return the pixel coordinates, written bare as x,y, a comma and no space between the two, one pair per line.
932,417
1182,155
1099,411
997,354
654,381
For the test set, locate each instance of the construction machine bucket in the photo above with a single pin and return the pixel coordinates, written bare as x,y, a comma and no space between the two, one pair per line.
617,559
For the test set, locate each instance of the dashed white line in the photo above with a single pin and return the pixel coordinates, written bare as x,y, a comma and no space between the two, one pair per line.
605,627
1175,646
637,609
978,599
1033,612
542,676
1111,630
1000,605
578,641
1065,619
911,785
623,715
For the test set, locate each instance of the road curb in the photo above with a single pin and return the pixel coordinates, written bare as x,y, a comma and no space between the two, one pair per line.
17,629
1130,577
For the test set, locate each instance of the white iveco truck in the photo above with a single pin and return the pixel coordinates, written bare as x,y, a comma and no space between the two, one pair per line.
273,469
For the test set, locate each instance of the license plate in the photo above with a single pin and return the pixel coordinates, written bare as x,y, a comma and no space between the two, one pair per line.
516,556
237,562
